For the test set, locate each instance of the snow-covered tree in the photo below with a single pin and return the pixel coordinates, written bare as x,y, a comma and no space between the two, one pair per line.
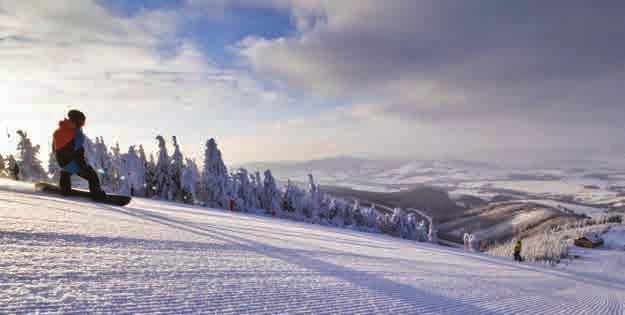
400,224
245,195
294,200
215,178
471,242
392,224
2,166
414,229
315,199
10,165
100,159
176,189
258,186
432,234
365,217
272,197
133,173
162,175
339,212
148,169
190,180
54,170
116,173
29,163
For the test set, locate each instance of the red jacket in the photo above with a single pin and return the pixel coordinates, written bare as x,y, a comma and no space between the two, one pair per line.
64,135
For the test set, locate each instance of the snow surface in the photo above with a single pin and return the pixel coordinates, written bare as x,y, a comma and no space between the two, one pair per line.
578,209
73,256
605,262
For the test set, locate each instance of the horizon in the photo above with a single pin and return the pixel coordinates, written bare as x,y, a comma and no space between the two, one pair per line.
305,80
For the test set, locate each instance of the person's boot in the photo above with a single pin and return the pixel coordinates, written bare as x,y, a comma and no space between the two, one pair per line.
65,183
99,196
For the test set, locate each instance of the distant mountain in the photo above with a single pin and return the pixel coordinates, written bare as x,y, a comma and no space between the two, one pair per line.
340,166
370,174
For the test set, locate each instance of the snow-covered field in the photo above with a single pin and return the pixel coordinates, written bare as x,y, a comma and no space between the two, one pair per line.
577,209
606,262
73,256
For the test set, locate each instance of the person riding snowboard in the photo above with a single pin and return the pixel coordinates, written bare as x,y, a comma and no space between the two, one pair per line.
517,250
67,143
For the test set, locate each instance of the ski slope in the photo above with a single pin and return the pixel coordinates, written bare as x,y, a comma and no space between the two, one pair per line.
72,256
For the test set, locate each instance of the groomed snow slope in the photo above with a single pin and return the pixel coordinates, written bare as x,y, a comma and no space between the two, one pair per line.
71,256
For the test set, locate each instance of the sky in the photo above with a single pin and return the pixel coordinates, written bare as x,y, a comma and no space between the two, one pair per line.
298,80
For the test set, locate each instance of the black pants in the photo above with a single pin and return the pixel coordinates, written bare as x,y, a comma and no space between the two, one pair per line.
88,174
517,256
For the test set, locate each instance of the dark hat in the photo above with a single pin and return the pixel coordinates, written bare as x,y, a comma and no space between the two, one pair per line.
76,115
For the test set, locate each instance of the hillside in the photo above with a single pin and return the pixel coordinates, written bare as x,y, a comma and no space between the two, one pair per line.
72,256
501,221
433,201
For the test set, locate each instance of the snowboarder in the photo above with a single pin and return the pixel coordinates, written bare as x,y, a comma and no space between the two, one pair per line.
517,251
68,147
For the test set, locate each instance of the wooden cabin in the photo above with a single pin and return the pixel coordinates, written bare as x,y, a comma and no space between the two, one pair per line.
589,241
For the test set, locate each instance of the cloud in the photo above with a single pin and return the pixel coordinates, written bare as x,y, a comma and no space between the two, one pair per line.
58,55
444,60
392,78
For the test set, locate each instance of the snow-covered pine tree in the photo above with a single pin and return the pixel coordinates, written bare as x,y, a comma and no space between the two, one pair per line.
414,230
54,170
162,175
215,178
339,212
294,200
2,166
365,216
400,224
29,163
286,202
134,172
393,224
190,180
245,195
117,178
255,190
432,234
271,195
176,191
10,165
259,189
315,199
148,171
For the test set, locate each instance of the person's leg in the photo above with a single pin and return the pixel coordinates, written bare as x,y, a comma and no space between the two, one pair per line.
94,182
65,183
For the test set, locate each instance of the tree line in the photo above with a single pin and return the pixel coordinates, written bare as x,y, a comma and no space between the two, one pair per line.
173,177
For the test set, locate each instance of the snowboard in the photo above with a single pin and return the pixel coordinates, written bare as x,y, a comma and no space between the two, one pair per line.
116,200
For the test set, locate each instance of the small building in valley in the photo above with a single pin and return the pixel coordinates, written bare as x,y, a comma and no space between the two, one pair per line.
590,240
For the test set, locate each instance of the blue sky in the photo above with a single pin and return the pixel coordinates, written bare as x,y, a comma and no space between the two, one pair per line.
214,33
296,80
